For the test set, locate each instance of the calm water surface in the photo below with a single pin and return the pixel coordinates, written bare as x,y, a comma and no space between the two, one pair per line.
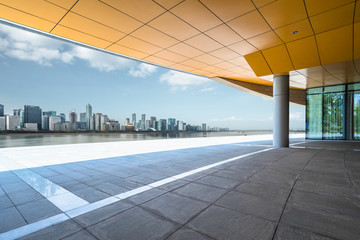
22,140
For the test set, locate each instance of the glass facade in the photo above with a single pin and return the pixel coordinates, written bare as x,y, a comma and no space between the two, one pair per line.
333,112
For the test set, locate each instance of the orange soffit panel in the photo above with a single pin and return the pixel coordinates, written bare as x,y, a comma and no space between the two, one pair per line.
241,39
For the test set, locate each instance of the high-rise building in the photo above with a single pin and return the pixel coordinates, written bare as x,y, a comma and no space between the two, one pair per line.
103,120
20,113
2,123
45,119
92,123
54,123
97,122
32,114
88,116
163,125
180,125
171,124
152,120
83,118
203,127
63,117
142,126
1,110
133,119
147,124
127,121
72,117
12,122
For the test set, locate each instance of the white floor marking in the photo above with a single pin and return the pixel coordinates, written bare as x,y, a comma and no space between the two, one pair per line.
59,196
74,212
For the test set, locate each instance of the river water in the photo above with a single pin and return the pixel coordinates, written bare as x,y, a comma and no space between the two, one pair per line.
39,139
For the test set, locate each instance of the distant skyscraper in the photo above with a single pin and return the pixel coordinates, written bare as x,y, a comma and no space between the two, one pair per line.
133,119
32,114
45,119
1,110
127,121
12,122
203,127
72,116
152,120
163,125
83,118
88,115
63,117
97,122
147,124
171,124
54,123
20,113
2,123
142,126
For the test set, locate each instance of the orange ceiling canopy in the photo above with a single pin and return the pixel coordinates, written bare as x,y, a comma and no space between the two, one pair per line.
317,41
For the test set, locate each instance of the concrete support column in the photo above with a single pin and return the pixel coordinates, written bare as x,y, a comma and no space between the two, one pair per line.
281,110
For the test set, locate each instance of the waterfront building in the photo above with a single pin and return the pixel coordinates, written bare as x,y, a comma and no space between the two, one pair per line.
12,123
103,120
156,125
72,116
20,113
180,125
83,117
32,127
203,127
133,119
54,123
171,124
32,114
92,123
147,124
152,120
163,125
1,110
2,123
88,116
45,119
113,126
142,126
127,121
63,117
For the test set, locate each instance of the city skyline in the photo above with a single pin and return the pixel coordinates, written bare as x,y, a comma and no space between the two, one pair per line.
64,76
33,118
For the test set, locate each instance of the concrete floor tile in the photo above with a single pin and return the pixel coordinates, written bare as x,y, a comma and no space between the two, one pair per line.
91,194
15,187
237,175
286,232
145,196
10,219
332,225
124,183
81,235
133,224
200,192
5,202
187,234
251,205
343,206
173,185
224,224
220,182
272,193
110,188
178,209
25,196
58,231
101,214
37,210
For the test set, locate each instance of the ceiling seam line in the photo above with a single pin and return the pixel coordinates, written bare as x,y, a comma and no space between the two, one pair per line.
287,50
63,16
316,42
26,13
225,23
353,41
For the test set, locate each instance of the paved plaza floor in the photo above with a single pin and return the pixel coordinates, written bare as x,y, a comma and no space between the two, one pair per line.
242,189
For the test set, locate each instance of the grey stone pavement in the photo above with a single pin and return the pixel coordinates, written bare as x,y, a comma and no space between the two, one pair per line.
308,191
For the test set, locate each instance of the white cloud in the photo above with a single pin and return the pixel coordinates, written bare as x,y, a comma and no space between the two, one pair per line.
142,70
297,116
232,118
181,81
209,89
43,50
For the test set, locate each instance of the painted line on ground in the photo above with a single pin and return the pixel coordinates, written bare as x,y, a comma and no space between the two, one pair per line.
42,224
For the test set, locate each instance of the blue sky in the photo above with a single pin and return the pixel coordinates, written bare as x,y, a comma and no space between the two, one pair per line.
55,75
